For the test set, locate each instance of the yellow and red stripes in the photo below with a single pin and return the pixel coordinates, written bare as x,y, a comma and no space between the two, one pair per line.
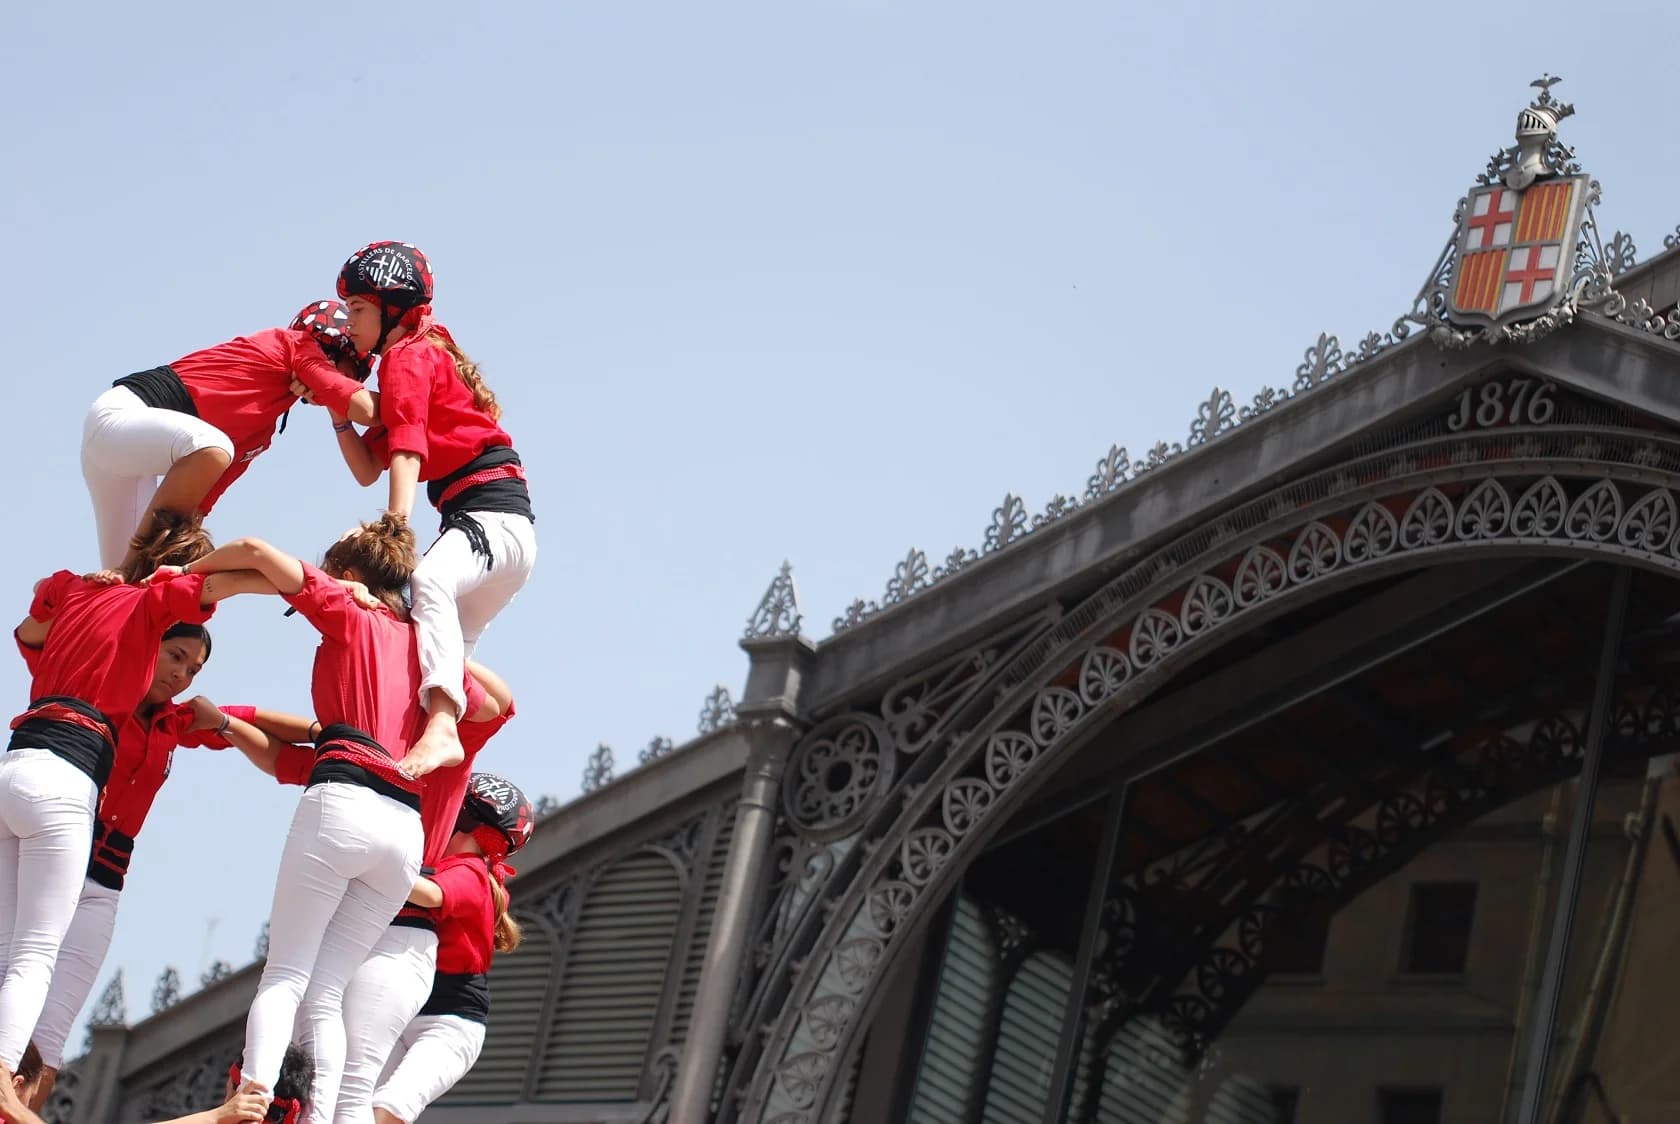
1480,277
1543,212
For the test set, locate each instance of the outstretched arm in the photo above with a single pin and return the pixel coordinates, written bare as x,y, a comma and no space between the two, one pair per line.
284,572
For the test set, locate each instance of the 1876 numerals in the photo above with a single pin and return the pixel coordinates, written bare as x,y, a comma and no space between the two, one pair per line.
1515,401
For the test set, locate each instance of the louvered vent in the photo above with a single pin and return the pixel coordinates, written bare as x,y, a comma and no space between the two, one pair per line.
1019,1082
518,990
614,978
1144,1082
953,1059
702,927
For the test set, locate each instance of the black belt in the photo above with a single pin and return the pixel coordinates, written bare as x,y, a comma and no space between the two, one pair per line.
336,770
88,749
466,995
112,852
161,388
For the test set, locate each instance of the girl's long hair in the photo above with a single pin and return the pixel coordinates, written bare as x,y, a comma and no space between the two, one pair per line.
168,539
483,397
383,555
508,935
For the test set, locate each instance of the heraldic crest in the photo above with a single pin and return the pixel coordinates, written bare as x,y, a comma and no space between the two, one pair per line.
1525,256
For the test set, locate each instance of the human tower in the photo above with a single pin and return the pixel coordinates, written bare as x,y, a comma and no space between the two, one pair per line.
390,900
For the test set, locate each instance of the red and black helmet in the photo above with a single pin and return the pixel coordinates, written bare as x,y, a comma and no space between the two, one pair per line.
329,322
497,814
394,273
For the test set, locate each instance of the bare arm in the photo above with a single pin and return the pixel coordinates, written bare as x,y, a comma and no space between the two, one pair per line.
426,894
33,632
353,448
219,587
364,407
284,573
405,477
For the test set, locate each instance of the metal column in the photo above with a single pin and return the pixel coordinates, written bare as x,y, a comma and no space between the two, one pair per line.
1592,759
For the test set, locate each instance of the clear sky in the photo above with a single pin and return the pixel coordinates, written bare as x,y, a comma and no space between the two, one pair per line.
817,281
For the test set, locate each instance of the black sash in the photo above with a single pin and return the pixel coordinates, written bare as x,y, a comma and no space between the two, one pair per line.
162,388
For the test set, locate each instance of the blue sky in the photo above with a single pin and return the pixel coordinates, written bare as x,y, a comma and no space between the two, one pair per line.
817,281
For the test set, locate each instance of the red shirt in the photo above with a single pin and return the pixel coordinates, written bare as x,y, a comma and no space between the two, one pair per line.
367,674
243,386
440,804
145,753
103,646
466,922
425,408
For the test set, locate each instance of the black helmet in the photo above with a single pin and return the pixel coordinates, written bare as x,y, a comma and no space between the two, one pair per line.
497,814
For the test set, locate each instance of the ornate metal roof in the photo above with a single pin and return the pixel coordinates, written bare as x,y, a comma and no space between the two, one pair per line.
1567,270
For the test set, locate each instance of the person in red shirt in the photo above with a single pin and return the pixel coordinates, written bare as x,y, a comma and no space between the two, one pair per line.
469,893
439,424
146,742
391,985
354,847
200,421
98,646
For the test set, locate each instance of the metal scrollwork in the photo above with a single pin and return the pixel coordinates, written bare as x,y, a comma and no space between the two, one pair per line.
655,749
111,1010
718,712
218,970
599,772
167,992
1556,499
1213,417
778,612
836,775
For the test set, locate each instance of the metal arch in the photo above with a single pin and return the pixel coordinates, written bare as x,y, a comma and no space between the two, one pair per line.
844,960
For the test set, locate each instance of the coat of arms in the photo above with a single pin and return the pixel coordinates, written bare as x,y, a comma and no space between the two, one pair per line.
1524,253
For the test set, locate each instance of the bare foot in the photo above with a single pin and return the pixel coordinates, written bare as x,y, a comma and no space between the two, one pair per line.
438,748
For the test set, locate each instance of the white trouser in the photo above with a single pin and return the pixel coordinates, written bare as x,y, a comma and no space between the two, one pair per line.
126,446
435,1052
79,960
456,596
46,834
384,995
349,863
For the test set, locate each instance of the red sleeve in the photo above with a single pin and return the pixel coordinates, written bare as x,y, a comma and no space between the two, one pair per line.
325,603
209,739
294,764
475,735
178,597
49,594
405,400
312,368
466,889
31,656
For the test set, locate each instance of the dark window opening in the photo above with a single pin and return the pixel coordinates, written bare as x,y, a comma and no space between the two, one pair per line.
1438,929
1294,942
1285,1100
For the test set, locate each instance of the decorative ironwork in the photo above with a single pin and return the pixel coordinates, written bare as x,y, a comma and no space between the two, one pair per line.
837,774
546,805
261,950
1386,517
1009,522
218,970
778,613
193,1087
1672,240
112,1008
655,749
664,1071
718,712
599,771
167,992
1620,253
1213,417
